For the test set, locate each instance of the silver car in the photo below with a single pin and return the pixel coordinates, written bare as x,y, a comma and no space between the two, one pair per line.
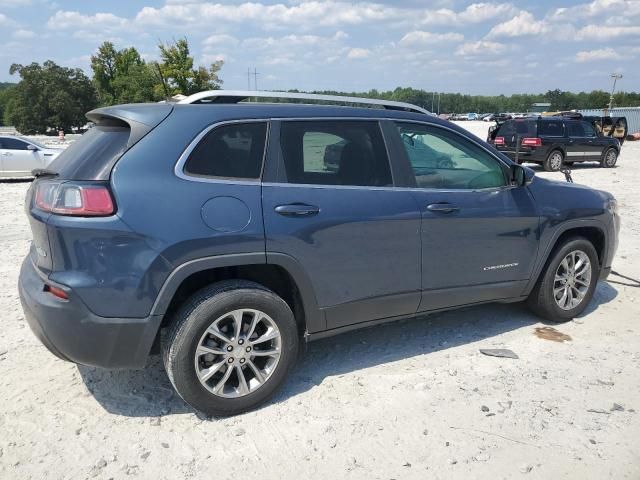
19,156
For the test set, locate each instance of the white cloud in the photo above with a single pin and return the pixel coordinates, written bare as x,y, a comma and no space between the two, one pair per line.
603,32
220,39
65,20
481,48
521,25
359,53
307,14
6,21
597,8
474,13
419,37
15,3
597,55
23,34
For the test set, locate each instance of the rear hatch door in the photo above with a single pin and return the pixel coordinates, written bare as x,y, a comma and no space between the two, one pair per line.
89,159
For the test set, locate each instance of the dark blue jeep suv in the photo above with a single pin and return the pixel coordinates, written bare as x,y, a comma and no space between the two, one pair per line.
217,230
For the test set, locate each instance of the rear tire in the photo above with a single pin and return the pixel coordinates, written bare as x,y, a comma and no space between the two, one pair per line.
609,158
230,347
578,281
554,161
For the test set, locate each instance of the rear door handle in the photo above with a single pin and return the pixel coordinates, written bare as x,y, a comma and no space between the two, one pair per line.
297,210
443,207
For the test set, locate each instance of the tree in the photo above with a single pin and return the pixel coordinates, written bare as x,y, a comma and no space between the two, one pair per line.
5,92
180,76
49,96
121,76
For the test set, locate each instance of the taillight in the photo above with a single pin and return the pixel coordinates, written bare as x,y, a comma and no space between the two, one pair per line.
56,292
78,199
531,142
498,141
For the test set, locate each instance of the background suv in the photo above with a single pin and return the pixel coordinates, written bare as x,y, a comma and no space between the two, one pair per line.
554,141
222,232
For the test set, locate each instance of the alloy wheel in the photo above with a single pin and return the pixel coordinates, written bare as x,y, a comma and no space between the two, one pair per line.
556,161
610,158
572,280
238,353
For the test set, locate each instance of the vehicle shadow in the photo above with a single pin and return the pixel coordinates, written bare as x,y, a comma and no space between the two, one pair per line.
148,392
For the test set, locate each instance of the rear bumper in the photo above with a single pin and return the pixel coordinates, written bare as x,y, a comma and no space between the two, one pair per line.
73,333
523,155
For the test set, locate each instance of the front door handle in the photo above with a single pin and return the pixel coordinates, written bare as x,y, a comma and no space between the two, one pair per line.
443,207
297,210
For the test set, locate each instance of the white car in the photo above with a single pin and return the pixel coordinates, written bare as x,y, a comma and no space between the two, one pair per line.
19,156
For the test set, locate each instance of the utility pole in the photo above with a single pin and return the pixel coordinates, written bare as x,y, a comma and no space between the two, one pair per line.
433,97
616,77
255,77
438,103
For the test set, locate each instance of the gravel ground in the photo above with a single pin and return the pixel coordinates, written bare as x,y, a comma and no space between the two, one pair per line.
409,400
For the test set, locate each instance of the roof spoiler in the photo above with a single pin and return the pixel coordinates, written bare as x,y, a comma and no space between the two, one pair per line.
141,118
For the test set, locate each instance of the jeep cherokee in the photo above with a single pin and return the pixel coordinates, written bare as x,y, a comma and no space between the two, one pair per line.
217,230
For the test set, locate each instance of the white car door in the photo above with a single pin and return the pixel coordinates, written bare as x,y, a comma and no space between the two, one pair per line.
18,159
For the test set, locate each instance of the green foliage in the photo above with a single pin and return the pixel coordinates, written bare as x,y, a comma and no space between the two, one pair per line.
5,92
49,96
121,76
461,103
179,76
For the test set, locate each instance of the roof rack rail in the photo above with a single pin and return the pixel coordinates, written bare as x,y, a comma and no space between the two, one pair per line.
236,96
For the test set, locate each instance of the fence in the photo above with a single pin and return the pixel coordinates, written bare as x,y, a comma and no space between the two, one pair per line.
632,114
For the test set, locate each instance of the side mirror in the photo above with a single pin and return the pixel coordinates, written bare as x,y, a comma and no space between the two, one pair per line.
521,176
33,148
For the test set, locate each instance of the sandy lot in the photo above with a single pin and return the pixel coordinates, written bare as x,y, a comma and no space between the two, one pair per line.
409,400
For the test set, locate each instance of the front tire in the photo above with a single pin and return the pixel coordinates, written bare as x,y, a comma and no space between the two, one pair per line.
566,285
230,347
609,158
554,161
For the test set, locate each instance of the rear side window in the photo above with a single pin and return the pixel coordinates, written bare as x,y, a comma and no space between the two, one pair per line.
552,128
229,151
523,128
93,155
333,152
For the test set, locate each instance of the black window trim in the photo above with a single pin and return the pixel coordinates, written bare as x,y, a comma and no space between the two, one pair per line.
184,156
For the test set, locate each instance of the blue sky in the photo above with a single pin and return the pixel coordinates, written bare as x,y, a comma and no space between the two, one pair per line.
442,45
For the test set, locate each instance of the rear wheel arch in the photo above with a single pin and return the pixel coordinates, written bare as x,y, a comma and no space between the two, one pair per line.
282,275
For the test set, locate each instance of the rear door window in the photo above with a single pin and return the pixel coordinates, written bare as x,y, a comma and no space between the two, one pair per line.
229,151
588,129
575,129
334,152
